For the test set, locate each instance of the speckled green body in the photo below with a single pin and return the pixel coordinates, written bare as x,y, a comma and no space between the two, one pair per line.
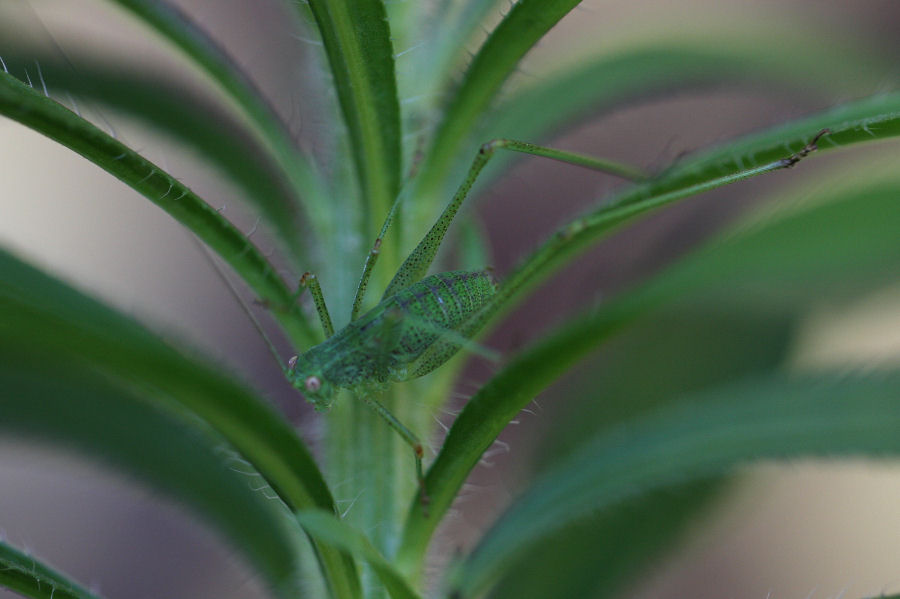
403,337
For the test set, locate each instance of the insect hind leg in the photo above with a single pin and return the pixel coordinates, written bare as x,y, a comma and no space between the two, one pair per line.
419,260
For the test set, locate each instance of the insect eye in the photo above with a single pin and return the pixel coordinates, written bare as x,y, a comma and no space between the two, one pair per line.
312,383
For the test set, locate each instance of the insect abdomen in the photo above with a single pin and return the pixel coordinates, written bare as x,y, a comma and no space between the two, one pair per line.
381,343
430,308
446,299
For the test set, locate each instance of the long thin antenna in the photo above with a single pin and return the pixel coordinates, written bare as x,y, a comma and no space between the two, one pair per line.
234,292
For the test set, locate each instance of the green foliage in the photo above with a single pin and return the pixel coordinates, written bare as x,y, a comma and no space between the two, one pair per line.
694,380
357,43
21,572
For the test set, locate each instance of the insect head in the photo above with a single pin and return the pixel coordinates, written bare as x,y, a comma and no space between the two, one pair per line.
308,378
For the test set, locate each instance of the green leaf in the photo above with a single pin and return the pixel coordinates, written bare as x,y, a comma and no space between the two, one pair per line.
675,351
76,407
522,27
488,413
847,243
598,555
329,529
28,576
866,120
174,26
25,105
763,418
357,41
843,245
189,118
40,314
598,84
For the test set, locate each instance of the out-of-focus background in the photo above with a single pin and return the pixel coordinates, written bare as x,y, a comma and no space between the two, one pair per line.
786,532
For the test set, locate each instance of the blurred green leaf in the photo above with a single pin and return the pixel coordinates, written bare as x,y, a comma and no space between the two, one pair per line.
48,396
839,246
596,556
656,360
873,118
846,243
175,27
190,119
773,417
28,576
25,105
42,315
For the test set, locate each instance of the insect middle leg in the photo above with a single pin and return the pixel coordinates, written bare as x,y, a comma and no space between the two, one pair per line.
382,342
407,435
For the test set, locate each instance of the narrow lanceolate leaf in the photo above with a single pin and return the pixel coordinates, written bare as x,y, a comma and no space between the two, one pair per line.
357,41
25,105
327,528
870,119
28,576
488,413
525,24
597,84
40,314
179,30
779,268
76,407
655,66
195,121
766,418
679,349
601,555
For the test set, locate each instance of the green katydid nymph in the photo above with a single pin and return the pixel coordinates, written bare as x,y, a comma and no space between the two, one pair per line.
422,321
406,335
402,337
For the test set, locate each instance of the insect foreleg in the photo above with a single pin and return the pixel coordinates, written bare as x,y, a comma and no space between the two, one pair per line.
417,263
310,280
